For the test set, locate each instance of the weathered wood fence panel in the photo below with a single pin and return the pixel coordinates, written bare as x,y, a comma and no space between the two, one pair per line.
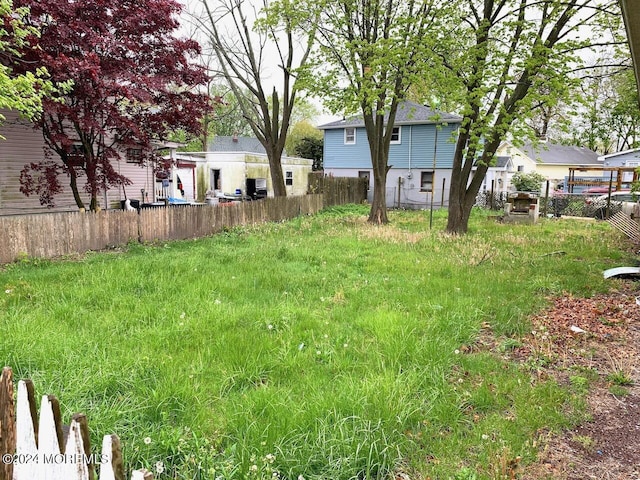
187,221
41,448
59,234
338,190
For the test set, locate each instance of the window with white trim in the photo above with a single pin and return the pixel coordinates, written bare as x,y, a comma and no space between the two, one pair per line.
396,135
349,135
288,178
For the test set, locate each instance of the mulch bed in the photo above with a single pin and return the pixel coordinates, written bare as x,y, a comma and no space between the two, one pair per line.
600,336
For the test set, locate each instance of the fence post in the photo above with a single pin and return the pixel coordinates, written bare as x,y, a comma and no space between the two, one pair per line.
7,423
546,200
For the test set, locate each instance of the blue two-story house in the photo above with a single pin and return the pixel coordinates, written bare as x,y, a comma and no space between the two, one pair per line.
420,154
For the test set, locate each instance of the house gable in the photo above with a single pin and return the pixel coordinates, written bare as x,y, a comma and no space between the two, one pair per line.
425,139
627,158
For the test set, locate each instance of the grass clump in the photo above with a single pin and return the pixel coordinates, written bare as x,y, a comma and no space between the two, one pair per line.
322,348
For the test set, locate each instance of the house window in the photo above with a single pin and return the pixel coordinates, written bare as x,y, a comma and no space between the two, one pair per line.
349,135
395,135
426,181
75,155
134,155
521,168
288,178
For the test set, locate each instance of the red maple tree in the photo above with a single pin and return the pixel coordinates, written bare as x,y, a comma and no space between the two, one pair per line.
132,82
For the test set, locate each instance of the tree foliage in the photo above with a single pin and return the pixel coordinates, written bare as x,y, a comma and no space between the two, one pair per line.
608,119
507,58
19,91
311,148
306,141
255,49
133,82
371,52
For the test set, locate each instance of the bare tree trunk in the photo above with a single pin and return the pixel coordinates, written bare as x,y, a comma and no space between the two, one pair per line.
277,177
73,183
378,212
458,216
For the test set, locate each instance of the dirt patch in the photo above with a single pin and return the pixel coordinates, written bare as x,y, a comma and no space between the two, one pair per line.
592,343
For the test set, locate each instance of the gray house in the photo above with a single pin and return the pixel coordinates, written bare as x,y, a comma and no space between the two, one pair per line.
420,154
628,158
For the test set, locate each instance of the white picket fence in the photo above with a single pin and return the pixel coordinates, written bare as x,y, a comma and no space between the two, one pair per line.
44,449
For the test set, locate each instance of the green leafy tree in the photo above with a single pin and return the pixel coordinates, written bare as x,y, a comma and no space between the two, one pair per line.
22,92
298,132
257,49
505,58
311,148
609,120
228,118
371,52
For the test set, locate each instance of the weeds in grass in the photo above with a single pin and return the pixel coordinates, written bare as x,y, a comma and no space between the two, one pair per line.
620,378
318,348
618,391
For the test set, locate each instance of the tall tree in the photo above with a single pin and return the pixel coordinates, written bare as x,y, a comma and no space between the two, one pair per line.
506,57
371,53
306,141
300,130
248,45
133,82
23,92
609,119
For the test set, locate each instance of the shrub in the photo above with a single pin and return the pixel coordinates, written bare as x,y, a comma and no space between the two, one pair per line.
527,182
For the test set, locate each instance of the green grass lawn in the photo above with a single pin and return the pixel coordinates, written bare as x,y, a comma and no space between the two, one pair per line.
320,348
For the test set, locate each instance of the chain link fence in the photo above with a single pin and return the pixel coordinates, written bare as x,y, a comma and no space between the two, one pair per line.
558,204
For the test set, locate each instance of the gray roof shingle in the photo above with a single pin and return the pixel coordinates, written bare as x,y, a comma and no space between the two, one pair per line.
554,154
235,144
409,113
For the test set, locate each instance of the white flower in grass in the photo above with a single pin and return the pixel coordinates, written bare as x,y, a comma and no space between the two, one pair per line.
253,468
159,467
269,327
300,477
8,291
147,440
270,457
182,315
318,352
217,302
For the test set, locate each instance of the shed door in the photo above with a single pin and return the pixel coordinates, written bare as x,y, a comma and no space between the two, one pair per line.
185,178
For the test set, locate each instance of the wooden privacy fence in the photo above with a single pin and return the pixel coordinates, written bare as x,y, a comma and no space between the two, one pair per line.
44,449
59,234
338,190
